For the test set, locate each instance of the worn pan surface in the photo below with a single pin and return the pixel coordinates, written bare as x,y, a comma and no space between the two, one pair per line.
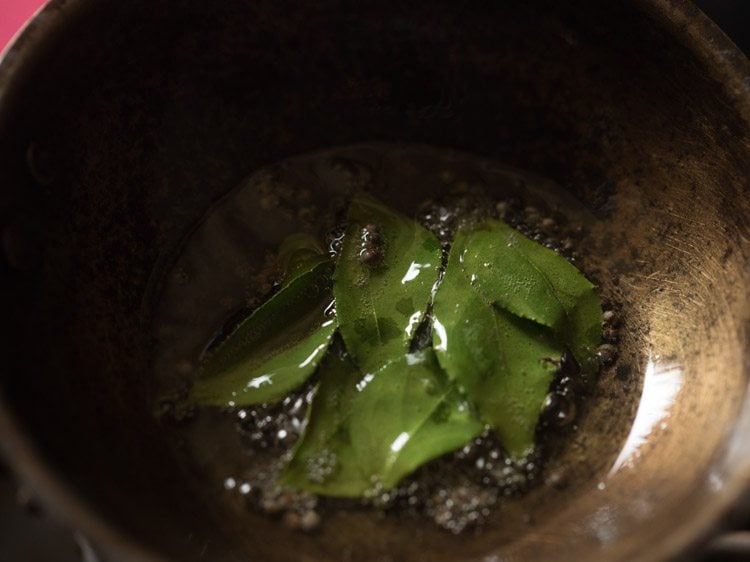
122,122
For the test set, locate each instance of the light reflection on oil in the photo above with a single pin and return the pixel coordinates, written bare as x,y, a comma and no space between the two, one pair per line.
257,382
367,379
413,323
661,383
313,355
442,344
413,272
399,442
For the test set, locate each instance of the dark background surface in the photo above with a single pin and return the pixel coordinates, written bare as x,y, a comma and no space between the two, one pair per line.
26,535
733,16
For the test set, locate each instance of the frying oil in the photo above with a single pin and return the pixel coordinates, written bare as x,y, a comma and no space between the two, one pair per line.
227,266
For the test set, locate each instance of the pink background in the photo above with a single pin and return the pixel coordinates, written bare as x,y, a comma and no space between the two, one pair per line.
13,14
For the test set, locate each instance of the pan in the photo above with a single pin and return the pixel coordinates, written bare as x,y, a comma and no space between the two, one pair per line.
123,124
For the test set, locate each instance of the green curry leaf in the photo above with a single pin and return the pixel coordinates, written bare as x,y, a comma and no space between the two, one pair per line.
324,460
276,348
504,363
407,414
534,282
298,254
368,431
382,282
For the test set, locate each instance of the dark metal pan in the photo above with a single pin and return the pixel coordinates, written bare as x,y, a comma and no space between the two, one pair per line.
122,122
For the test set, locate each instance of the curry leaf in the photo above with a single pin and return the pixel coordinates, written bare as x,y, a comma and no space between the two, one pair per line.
534,282
298,254
504,363
408,414
368,431
450,426
324,460
276,348
382,282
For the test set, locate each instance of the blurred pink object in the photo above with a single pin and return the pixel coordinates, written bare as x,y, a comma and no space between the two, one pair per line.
13,14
